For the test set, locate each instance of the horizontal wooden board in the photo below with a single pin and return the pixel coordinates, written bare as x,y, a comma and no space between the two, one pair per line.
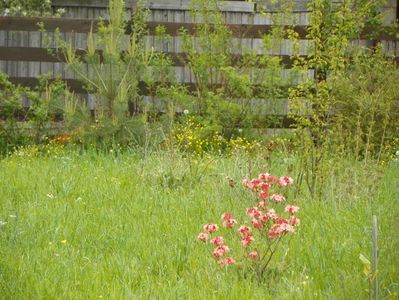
172,28
51,24
87,3
225,6
29,54
43,55
77,86
185,5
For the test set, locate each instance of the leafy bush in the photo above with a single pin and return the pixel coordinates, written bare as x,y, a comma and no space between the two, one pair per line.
34,123
227,83
366,113
25,7
10,109
337,110
114,75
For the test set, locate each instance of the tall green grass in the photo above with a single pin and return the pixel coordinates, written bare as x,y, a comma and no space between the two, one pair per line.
124,226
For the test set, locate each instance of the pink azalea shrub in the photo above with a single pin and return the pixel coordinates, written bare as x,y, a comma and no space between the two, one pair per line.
269,221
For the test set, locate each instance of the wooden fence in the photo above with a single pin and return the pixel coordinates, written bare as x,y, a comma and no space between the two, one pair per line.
24,58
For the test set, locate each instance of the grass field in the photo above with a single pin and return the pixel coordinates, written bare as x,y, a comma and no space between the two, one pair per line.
124,226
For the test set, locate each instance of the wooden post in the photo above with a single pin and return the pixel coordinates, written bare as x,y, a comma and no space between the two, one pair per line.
397,10
134,7
375,257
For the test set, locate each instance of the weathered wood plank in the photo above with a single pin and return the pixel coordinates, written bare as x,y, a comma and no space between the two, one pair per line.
13,39
3,43
78,87
22,66
239,6
172,28
33,54
34,44
228,6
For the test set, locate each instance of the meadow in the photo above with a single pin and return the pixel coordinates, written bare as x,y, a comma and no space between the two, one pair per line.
124,224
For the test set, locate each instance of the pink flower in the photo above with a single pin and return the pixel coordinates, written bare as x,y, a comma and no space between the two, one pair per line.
210,228
271,214
264,195
226,262
253,212
245,182
253,255
262,204
280,220
229,223
256,223
263,176
203,237
226,216
287,228
285,181
263,218
292,209
255,182
246,240
219,251
277,198
229,261
217,240
280,228
244,230
272,234
294,221
265,187
272,179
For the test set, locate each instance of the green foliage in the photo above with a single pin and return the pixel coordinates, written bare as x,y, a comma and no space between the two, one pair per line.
366,112
104,134
209,52
10,108
113,75
165,93
46,105
27,8
227,83
336,111
34,123
115,68
368,273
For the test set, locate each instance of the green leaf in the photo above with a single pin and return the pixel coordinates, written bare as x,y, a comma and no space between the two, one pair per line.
366,264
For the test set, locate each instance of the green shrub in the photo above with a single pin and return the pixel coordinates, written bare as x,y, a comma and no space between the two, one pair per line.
25,7
353,88
21,125
366,115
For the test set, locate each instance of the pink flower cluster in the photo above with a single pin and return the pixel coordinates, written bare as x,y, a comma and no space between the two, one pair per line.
262,185
266,222
220,250
228,220
276,225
